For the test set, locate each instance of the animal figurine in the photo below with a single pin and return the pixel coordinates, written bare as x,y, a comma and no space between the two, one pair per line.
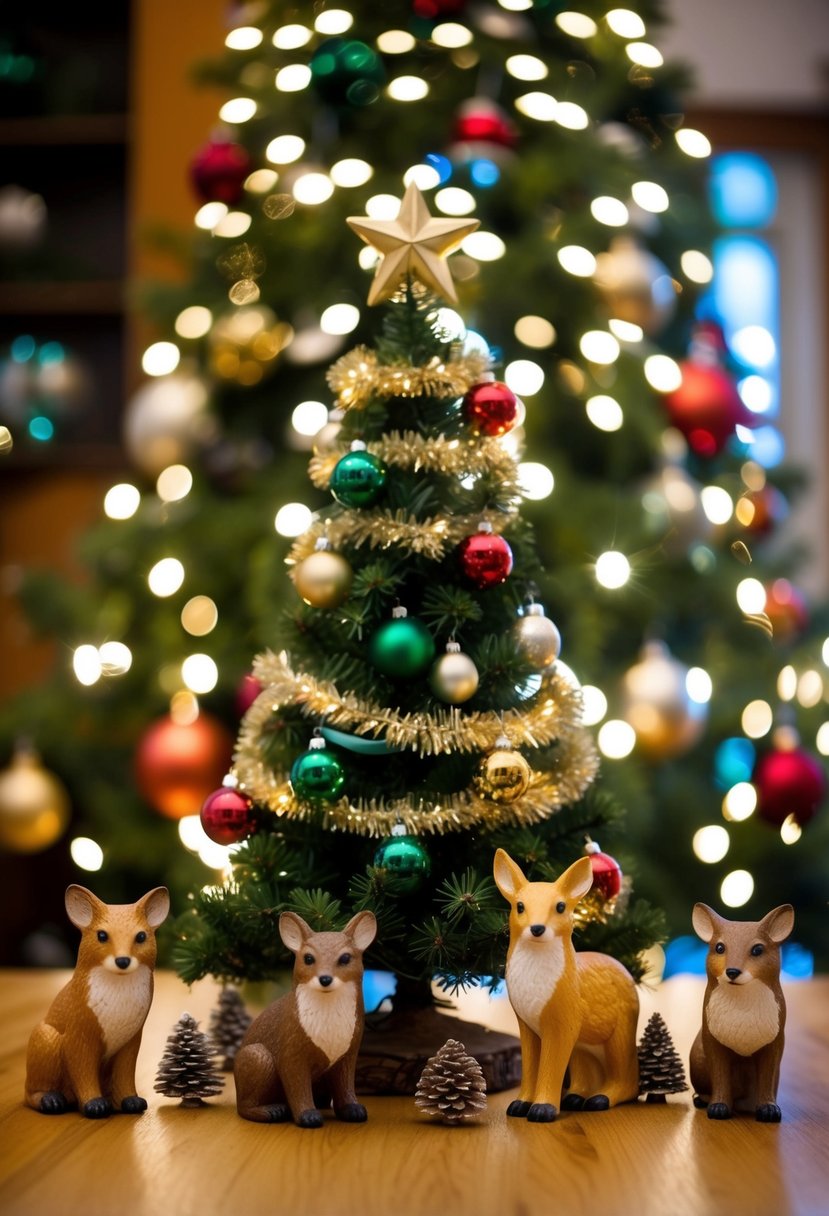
300,1054
735,1059
83,1053
567,1003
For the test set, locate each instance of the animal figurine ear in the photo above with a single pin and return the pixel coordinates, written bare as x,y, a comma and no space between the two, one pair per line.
577,879
778,923
362,929
705,921
155,905
81,906
293,930
509,876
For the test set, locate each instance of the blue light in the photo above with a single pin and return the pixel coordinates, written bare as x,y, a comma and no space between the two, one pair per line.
768,447
733,762
743,190
50,352
685,956
441,164
23,348
41,428
484,173
745,287
797,962
377,987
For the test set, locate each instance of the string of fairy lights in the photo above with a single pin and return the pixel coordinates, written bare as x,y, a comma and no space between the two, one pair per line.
287,180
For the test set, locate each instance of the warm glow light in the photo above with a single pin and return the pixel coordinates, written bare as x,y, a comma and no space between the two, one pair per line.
526,67
235,223
333,21
243,38
291,37
191,833
810,689
516,6
822,739
309,417
790,830
166,577
351,172
577,260
756,393
612,569
293,519
452,200
604,412
121,501
755,345
293,78
199,616
693,143
751,595
698,685
737,888
407,88
536,332
340,319
616,739
535,480
312,188
625,331
174,482
594,704
717,504
662,373
86,663
740,802
577,25
161,358
597,346
86,853
757,719
423,176
193,322
524,377
383,207
208,216
540,106
697,266
451,34
650,196
644,54
787,683
625,23
610,211
450,325
238,109
571,116
116,658
710,844
199,673
396,42
484,246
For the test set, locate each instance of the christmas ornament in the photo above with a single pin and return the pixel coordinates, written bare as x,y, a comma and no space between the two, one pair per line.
228,1023
635,286
490,408
452,1085
434,10
219,170
346,72
403,647
177,764
706,407
673,509
607,873
317,775
761,511
247,691
227,814
22,220
657,705
243,344
786,609
323,579
41,378
165,421
413,246
405,859
358,477
482,128
789,781
661,1070
454,677
536,637
34,805
187,1070
485,559
503,774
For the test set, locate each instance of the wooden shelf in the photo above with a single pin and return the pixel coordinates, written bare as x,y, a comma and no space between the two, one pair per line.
96,297
65,129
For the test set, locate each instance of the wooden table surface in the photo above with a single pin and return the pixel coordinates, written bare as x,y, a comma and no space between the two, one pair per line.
635,1160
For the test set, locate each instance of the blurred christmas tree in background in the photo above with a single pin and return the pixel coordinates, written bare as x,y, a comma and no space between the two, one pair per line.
666,568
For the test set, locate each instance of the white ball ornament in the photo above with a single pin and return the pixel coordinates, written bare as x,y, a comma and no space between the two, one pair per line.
537,637
454,677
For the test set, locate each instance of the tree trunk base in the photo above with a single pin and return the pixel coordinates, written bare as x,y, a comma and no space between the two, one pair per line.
396,1047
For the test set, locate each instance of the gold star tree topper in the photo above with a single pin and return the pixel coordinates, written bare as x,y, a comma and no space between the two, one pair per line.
415,244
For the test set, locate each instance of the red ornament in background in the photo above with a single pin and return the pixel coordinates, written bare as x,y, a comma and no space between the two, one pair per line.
491,407
218,172
607,873
760,511
486,559
786,609
789,781
247,691
432,10
227,815
481,121
706,407
177,765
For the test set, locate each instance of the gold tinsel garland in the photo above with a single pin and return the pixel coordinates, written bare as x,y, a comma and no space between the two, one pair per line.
452,457
358,377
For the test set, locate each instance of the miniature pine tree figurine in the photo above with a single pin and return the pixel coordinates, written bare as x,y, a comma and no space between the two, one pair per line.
187,1070
228,1023
660,1068
452,1085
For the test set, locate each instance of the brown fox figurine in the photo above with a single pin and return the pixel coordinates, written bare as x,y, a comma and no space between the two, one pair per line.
301,1052
566,1002
83,1053
735,1059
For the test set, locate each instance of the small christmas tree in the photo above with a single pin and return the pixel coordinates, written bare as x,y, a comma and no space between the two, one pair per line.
451,1085
660,1068
187,1070
228,1023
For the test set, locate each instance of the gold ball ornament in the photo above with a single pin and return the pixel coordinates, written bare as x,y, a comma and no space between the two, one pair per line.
656,704
635,285
454,677
503,774
34,805
537,637
244,344
324,578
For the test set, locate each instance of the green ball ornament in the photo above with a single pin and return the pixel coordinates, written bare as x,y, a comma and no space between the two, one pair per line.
317,775
358,478
346,72
406,861
403,647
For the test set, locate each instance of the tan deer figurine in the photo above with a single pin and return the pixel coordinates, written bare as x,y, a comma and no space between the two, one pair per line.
83,1053
567,1003
735,1059
300,1054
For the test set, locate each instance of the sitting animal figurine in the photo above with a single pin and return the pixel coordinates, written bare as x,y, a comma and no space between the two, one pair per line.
83,1053
735,1059
301,1052
566,1002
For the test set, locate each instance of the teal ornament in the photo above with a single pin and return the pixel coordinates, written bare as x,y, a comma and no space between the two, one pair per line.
346,72
358,478
317,775
405,861
403,647
357,743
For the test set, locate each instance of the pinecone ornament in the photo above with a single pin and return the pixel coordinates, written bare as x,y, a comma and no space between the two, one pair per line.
451,1085
187,1070
660,1068
228,1023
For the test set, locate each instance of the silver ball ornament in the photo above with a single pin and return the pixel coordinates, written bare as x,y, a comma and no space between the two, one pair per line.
454,677
537,637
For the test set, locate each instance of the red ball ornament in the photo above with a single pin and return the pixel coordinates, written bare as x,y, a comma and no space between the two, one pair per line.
218,172
481,121
706,407
786,609
227,814
247,691
491,407
178,764
789,781
607,873
486,559
434,10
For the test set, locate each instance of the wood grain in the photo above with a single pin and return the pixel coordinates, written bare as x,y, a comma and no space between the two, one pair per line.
635,1160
